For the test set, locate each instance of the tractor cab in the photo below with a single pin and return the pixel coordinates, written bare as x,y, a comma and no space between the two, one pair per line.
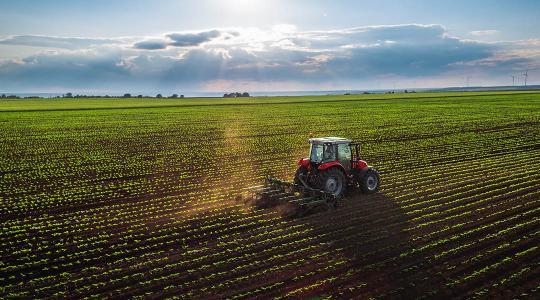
333,164
334,149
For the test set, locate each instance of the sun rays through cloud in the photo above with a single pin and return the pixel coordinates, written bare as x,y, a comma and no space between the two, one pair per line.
276,56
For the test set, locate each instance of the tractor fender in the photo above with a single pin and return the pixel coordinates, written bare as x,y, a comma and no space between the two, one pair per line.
365,170
330,165
360,164
304,162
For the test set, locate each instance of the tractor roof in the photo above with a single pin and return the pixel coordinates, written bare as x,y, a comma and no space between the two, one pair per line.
329,140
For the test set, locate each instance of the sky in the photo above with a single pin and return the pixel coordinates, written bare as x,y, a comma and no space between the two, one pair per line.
166,46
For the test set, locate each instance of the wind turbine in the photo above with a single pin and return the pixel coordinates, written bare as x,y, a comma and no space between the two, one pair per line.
526,75
513,80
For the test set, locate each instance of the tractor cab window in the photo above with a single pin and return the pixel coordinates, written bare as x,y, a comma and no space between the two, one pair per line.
344,155
316,153
322,153
344,152
329,153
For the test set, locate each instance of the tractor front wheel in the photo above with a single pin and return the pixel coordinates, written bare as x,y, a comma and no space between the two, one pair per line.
370,182
333,181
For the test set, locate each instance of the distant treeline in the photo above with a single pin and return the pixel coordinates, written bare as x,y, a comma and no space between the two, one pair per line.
70,95
127,95
236,95
17,97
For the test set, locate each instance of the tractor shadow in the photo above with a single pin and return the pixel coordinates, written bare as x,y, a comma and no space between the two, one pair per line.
369,232
361,224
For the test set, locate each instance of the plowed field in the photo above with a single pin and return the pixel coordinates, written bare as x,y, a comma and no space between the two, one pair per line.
118,198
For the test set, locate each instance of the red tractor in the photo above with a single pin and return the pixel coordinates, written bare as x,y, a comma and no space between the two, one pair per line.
332,166
320,180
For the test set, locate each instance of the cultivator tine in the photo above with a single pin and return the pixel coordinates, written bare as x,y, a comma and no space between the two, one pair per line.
273,200
298,199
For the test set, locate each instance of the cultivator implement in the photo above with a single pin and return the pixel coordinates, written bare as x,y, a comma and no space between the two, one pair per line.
294,199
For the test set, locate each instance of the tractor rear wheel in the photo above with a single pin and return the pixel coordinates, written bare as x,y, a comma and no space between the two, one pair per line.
333,181
370,182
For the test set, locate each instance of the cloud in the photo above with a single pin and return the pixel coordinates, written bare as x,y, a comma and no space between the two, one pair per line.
151,45
182,40
56,42
70,70
421,58
484,32
368,36
354,57
192,39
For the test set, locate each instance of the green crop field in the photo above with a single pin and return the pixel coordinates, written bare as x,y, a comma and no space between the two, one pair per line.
119,198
